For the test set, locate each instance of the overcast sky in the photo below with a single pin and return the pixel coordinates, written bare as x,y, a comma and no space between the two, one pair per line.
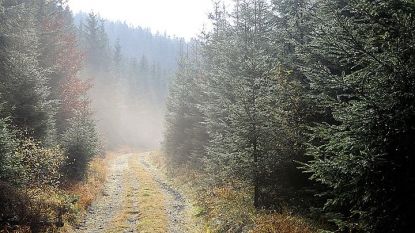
184,18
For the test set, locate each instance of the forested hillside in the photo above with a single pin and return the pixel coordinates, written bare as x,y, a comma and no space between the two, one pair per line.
131,69
306,106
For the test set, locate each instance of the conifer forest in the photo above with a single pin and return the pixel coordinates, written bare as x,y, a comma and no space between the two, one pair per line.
277,116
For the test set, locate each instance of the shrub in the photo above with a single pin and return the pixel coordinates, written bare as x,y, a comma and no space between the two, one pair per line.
81,144
31,209
41,166
24,162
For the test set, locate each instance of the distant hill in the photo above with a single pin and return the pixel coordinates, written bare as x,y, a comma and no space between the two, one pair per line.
137,42
132,69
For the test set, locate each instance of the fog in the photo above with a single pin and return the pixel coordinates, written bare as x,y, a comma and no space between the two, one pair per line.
131,66
123,120
130,69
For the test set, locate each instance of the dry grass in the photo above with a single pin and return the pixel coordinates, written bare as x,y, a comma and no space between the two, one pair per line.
41,204
88,190
281,223
152,202
158,160
228,208
85,192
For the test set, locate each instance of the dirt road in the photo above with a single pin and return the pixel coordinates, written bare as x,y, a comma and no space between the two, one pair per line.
136,199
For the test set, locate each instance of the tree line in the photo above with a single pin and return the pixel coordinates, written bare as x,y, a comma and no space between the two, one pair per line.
308,102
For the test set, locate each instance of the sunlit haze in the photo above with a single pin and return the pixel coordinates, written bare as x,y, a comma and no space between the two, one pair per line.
183,18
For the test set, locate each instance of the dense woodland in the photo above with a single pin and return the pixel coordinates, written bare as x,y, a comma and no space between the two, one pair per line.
44,103
308,103
64,89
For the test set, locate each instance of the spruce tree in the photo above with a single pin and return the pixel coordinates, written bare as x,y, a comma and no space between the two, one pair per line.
364,75
240,93
295,111
23,84
96,43
185,137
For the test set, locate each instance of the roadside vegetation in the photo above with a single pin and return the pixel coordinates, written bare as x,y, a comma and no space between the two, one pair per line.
50,165
51,208
85,192
227,208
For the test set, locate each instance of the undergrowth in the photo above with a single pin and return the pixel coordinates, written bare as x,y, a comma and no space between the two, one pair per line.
228,208
47,208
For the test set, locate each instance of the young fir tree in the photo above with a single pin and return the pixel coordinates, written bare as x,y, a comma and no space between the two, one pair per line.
117,57
81,143
240,93
365,76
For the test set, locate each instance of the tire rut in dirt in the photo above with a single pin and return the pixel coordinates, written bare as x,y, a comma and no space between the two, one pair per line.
176,206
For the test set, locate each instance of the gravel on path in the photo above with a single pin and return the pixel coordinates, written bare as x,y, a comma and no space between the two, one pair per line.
102,210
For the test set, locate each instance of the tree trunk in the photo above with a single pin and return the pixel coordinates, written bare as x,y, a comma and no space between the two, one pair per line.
256,176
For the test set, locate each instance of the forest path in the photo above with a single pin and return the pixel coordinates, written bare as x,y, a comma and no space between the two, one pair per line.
101,214
136,198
